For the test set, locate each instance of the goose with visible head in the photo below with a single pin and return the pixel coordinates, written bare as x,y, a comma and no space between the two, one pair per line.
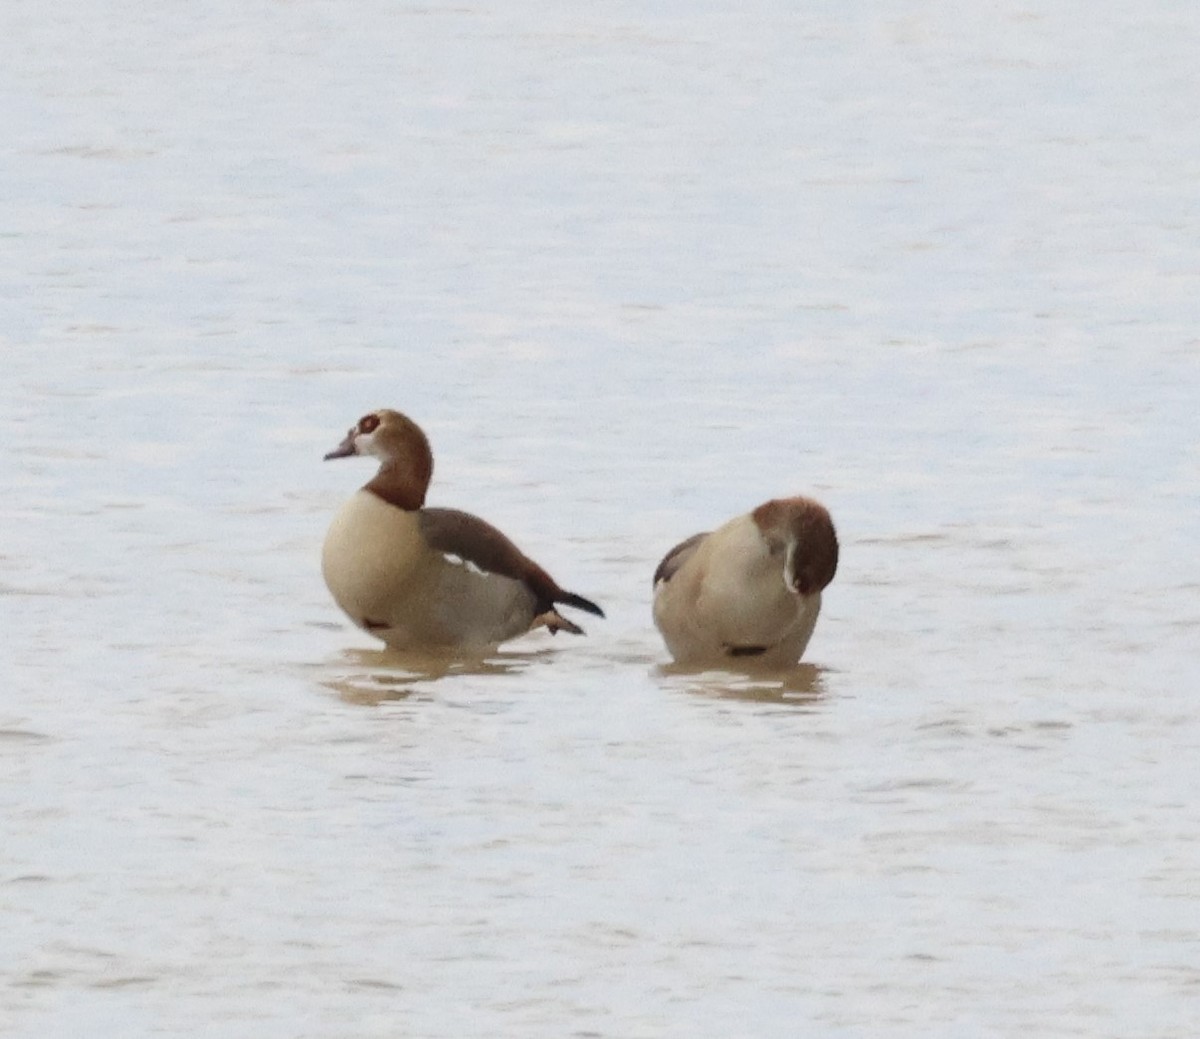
424,578
748,592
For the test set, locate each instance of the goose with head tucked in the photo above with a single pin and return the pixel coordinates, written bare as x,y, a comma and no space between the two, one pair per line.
749,592
429,579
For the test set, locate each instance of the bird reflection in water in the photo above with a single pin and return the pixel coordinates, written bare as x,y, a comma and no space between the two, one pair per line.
800,686
371,677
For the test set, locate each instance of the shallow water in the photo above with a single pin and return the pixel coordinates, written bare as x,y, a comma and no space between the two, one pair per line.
634,273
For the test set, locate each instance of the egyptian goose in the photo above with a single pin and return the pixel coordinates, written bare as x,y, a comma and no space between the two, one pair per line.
750,591
429,579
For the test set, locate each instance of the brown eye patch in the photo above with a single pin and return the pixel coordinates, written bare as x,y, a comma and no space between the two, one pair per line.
368,423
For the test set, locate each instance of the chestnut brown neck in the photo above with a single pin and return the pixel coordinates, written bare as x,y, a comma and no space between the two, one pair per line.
403,477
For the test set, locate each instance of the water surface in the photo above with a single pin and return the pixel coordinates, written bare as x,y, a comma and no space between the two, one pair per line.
634,272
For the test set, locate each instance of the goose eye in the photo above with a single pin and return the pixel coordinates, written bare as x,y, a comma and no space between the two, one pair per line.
368,423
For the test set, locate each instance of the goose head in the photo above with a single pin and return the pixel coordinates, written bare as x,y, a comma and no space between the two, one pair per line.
402,449
804,531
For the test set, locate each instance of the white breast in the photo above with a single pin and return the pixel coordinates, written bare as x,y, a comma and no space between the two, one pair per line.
370,554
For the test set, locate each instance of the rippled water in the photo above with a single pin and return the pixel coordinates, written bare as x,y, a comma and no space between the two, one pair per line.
634,271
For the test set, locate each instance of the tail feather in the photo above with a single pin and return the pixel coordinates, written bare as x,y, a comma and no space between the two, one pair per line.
579,602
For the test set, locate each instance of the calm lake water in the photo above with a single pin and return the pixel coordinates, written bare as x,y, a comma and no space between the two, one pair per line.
635,268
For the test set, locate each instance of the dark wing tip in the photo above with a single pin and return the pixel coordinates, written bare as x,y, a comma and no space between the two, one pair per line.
579,602
674,559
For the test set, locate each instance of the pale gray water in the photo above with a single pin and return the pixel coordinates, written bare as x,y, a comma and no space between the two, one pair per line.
634,271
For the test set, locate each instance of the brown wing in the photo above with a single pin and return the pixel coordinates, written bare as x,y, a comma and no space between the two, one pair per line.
477,542
679,555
